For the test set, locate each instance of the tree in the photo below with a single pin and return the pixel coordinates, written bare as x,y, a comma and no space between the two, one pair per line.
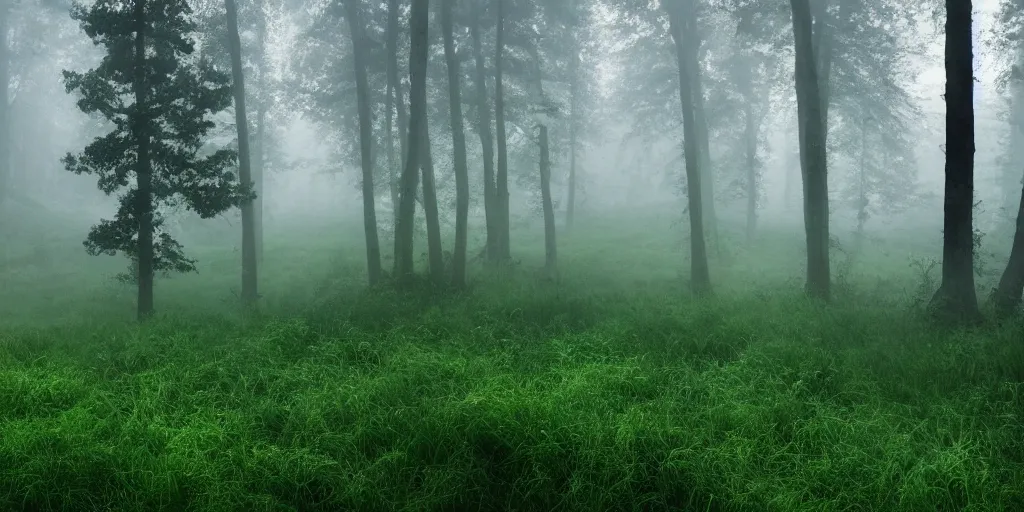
458,147
419,44
543,112
486,137
956,297
249,275
5,79
156,137
502,219
359,41
813,159
680,20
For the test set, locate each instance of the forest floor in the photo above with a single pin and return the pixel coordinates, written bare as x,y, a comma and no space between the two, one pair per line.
610,390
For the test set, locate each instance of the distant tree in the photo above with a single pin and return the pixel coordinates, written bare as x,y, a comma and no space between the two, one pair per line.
681,20
418,53
359,53
502,220
957,297
813,160
458,146
159,99
249,275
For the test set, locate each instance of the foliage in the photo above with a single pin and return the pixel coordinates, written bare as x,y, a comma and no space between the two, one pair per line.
182,93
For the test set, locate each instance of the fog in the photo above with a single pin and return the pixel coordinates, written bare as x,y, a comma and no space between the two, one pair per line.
511,255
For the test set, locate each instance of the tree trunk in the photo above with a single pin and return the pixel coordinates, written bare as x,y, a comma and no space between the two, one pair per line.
502,217
862,196
417,119
692,42
403,122
956,297
258,156
435,254
823,43
355,24
143,167
458,149
813,157
249,276
486,138
394,103
550,246
1006,298
750,135
700,278
573,121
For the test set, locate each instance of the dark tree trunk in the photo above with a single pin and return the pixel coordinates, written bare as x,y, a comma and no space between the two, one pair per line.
823,43
1006,298
355,24
249,276
956,297
458,149
435,254
486,138
813,156
502,217
700,277
143,167
417,120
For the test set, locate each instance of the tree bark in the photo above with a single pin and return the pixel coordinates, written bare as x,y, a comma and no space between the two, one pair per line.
486,138
957,297
700,278
458,148
813,157
417,119
403,122
502,217
249,276
355,24
143,167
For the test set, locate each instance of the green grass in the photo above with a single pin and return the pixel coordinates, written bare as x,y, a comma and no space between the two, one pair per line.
611,390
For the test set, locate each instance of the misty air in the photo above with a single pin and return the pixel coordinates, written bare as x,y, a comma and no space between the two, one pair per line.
511,255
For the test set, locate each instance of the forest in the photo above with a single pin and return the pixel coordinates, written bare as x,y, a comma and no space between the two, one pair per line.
530,255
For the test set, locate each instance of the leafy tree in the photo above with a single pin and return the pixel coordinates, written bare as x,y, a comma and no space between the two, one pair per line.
159,98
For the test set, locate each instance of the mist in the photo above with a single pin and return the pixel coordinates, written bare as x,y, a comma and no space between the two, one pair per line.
511,255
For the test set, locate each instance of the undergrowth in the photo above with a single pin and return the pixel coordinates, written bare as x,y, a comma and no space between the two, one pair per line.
605,391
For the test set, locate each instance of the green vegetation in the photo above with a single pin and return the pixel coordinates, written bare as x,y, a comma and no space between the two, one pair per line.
612,390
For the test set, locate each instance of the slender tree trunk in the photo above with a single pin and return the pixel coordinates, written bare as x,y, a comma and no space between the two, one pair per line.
258,155
570,207
435,253
403,122
752,186
486,138
249,276
823,43
550,245
389,128
458,148
692,42
417,120
143,167
700,277
355,24
813,156
502,217
793,169
957,297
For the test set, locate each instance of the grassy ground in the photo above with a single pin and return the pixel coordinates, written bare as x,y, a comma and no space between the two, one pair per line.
608,391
